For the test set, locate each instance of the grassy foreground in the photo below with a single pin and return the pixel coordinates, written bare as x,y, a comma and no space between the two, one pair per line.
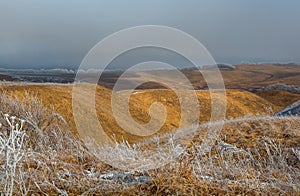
251,156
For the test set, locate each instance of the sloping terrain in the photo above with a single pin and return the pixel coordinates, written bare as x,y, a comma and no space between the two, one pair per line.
239,103
250,156
260,75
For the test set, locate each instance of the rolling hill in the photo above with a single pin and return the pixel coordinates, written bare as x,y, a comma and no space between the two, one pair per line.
239,103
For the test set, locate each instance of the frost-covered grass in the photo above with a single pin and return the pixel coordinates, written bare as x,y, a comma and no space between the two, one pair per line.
250,156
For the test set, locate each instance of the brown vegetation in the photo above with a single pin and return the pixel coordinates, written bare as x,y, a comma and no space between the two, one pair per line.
239,103
251,156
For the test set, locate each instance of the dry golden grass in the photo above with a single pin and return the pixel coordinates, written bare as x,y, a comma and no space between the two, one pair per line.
239,103
253,155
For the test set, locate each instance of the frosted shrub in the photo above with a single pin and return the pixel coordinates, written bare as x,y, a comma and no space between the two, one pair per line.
39,144
12,151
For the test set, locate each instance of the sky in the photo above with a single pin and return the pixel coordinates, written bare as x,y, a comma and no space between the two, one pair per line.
58,34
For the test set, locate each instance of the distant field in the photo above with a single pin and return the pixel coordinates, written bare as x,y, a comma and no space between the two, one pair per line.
248,77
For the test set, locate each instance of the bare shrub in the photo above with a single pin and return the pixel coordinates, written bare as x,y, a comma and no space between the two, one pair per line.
44,151
11,149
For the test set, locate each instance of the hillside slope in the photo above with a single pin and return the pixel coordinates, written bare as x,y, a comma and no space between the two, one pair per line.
239,103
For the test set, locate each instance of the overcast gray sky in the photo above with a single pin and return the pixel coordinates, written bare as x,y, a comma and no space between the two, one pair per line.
56,33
